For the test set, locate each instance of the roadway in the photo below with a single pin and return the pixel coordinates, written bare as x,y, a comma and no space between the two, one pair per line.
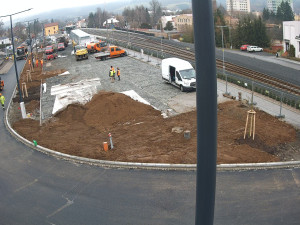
265,63
39,189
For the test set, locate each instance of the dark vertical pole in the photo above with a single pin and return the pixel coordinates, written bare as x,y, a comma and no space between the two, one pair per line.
206,111
17,76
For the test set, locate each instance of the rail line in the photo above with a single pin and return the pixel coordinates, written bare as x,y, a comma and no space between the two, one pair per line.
158,45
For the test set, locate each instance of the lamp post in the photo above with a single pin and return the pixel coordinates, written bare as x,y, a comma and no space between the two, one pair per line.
22,105
224,74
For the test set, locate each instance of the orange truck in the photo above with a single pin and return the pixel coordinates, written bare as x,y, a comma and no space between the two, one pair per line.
112,52
96,47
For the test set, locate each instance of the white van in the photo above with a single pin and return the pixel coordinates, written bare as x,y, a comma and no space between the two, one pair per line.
178,72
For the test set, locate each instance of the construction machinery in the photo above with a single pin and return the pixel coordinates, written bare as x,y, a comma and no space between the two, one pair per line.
21,53
81,52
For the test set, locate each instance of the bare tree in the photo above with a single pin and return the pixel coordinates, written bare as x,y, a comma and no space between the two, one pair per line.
2,31
155,7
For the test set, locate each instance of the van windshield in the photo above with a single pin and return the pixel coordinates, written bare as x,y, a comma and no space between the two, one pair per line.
188,74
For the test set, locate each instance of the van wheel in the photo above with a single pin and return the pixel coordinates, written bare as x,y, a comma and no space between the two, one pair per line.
181,88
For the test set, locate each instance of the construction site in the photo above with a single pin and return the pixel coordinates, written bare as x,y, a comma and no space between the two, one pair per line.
146,118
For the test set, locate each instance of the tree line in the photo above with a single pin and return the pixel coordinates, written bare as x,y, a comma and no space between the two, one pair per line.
137,17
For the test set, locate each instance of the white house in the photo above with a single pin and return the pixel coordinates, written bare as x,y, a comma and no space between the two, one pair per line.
291,36
111,21
4,41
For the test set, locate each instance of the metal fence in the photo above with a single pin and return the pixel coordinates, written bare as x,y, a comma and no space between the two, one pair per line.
282,97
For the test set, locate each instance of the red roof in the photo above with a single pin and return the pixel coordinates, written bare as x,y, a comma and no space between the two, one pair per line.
50,25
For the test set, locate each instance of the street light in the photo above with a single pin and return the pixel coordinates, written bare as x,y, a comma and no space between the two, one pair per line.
22,106
224,74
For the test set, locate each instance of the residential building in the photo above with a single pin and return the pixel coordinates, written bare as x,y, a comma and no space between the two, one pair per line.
238,5
5,41
111,22
51,28
183,21
273,4
291,36
81,24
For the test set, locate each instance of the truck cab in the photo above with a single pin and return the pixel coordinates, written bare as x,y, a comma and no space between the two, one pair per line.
179,73
51,52
21,54
116,51
96,47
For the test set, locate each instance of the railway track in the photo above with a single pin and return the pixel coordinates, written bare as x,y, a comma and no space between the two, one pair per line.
159,46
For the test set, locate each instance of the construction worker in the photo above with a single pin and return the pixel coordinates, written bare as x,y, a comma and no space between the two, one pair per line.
118,73
42,63
37,63
114,72
74,44
111,75
29,62
2,100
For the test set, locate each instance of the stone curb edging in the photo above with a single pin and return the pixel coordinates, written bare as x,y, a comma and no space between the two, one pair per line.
157,166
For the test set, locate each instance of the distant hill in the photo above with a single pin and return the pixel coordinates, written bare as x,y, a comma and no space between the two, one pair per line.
115,7
118,7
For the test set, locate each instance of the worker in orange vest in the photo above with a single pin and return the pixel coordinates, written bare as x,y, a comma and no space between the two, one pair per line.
118,73
37,63
42,62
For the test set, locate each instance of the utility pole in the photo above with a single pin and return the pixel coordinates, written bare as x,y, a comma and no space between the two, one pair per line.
224,74
22,105
206,95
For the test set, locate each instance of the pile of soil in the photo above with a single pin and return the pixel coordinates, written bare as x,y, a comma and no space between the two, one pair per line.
141,134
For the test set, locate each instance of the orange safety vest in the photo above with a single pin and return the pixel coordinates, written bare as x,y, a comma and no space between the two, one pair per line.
2,83
118,73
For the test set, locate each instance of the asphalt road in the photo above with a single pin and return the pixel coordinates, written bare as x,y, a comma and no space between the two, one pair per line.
263,62
40,189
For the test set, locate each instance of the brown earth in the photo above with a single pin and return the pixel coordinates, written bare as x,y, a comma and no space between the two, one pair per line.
141,134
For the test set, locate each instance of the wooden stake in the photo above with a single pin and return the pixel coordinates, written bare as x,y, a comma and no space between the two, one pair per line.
24,87
252,124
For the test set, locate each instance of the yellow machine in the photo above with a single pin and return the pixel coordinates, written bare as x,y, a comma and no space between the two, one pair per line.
81,52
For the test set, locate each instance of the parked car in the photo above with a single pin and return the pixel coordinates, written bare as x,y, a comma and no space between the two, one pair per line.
61,46
244,47
50,50
254,49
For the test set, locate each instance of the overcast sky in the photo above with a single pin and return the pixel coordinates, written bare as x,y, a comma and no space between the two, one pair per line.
13,6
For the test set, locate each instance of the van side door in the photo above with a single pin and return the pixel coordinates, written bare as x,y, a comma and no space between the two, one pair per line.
178,79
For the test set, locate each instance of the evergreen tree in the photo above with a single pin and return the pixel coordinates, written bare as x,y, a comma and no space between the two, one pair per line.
251,32
169,26
266,14
91,21
284,12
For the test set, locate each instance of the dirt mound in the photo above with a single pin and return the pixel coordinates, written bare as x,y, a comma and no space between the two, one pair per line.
140,134
108,109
